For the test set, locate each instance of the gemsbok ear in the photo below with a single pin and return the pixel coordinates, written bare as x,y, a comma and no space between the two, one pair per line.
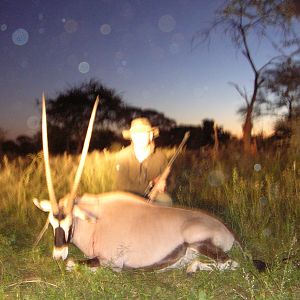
83,215
44,205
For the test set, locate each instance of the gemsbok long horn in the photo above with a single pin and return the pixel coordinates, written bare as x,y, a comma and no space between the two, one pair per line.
46,159
85,149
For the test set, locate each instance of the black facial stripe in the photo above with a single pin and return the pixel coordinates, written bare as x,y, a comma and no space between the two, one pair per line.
60,215
59,237
70,233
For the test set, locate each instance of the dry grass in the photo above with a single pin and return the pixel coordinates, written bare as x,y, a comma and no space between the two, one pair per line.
261,203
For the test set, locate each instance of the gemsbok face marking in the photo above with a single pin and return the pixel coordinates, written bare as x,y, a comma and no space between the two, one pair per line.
122,230
61,225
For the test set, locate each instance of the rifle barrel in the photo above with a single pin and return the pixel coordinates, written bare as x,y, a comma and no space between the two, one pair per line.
170,163
185,138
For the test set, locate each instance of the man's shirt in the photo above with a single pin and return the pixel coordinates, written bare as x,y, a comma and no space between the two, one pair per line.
134,176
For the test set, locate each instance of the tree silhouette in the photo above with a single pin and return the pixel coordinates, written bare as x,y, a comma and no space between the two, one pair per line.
200,136
22,145
26,144
10,147
283,81
2,139
156,118
68,115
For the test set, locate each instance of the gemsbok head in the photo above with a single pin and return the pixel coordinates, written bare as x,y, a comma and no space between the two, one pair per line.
122,230
61,213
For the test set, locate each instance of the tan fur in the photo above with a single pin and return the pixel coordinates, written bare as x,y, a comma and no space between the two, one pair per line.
132,233
122,230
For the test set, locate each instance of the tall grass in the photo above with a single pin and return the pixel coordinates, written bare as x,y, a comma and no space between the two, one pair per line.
259,198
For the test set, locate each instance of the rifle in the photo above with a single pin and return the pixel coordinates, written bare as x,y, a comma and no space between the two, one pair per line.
152,189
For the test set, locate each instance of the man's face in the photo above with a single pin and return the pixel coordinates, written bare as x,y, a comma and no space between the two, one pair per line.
141,139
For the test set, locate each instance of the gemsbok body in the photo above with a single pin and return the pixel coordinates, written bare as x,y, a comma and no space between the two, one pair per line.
122,230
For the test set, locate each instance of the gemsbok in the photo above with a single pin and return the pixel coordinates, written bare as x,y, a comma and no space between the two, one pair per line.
123,231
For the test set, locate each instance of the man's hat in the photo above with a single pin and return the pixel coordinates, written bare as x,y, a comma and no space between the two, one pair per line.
140,125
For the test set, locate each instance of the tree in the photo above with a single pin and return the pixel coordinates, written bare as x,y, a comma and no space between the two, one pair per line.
68,115
106,139
156,118
10,148
2,140
283,82
245,19
282,130
26,144
200,136
70,111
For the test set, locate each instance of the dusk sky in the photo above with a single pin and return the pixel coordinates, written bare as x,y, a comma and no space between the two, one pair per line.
141,48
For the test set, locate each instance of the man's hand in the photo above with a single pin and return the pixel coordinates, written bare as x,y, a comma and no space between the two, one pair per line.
160,185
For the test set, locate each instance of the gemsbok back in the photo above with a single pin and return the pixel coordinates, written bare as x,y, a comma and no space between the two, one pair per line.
121,230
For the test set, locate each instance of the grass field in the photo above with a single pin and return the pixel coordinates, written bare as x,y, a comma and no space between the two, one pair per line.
259,198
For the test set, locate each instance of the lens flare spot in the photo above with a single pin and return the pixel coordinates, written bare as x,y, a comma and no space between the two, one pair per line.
216,178
24,64
20,37
71,26
257,167
174,48
33,122
3,27
84,67
105,29
267,232
166,23
263,201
